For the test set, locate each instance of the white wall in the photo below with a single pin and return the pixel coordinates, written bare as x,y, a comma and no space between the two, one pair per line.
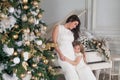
56,10
108,12
108,22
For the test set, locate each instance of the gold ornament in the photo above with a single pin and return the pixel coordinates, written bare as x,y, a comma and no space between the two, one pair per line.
25,1
27,42
43,57
25,64
16,26
26,30
29,72
53,44
31,20
2,16
24,18
37,10
38,34
15,36
15,53
34,65
48,46
50,68
35,3
39,15
99,44
94,42
45,61
22,75
53,60
40,74
4,38
45,28
25,7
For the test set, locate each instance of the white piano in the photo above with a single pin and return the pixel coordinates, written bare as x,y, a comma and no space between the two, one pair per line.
97,62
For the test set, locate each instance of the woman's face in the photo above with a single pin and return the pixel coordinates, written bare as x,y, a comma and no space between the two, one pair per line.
73,25
77,49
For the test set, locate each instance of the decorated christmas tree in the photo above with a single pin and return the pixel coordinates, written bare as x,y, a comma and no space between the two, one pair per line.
23,48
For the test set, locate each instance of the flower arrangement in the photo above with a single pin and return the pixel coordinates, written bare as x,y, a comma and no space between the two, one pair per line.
91,43
101,47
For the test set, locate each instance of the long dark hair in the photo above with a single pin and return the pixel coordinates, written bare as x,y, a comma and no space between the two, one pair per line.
76,30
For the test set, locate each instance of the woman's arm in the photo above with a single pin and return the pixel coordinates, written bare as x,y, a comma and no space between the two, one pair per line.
75,62
84,57
54,37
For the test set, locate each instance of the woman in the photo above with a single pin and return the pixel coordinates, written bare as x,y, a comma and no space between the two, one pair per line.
63,36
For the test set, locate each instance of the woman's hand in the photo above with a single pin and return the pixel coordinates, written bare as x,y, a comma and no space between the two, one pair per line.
69,61
62,57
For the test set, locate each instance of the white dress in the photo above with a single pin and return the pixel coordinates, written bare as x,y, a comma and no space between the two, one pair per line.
64,40
83,70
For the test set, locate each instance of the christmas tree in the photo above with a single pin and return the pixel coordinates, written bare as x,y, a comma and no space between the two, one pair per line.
23,48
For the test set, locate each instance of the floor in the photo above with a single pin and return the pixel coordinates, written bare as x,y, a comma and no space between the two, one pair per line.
61,77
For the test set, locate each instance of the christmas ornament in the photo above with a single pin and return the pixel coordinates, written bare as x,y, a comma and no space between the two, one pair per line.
36,21
37,10
32,36
35,3
22,75
25,64
7,23
31,20
39,15
40,74
34,13
15,36
26,30
24,18
25,7
8,50
34,65
16,26
19,43
25,1
26,55
27,42
38,42
38,34
29,72
16,60
45,61
45,28
11,10
15,53
2,15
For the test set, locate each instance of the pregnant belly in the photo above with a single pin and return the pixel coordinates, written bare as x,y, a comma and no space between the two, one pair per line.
68,51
